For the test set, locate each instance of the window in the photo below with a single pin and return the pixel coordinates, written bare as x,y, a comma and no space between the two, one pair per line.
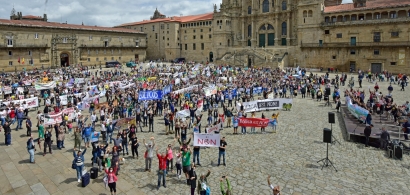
167,26
65,40
30,61
249,10
202,46
210,36
105,58
120,39
105,51
167,44
284,28
376,52
194,46
112,58
186,46
334,57
184,31
352,52
210,29
339,35
105,43
202,36
163,37
353,18
156,36
137,44
96,52
394,34
36,35
305,14
376,37
112,51
284,6
393,15
392,63
9,42
185,37
88,59
327,32
202,30
378,16
249,30
141,29
194,37
119,58
162,26
10,53
194,31
265,6
153,27
96,59
88,52
10,63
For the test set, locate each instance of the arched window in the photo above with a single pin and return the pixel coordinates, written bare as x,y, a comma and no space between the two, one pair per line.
265,6
266,35
250,31
270,27
284,6
262,27
310,13
305,14
284,28
249,10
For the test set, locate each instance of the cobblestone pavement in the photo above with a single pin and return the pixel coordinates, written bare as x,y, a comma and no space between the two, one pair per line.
290,156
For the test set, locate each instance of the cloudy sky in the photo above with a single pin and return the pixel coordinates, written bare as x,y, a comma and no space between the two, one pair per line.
106,12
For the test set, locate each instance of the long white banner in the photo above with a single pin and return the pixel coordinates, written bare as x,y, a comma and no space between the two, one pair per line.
267,104
41,86
31,102
207,139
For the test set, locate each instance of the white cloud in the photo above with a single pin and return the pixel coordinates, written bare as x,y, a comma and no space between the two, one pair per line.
105,12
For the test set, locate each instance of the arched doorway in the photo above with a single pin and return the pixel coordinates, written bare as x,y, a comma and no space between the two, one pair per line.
64,59
211,56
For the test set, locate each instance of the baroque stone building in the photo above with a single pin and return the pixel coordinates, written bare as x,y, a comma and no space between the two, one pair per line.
30,42
365,34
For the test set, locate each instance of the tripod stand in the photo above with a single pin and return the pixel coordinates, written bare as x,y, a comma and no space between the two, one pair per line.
326,161
328,102
334,140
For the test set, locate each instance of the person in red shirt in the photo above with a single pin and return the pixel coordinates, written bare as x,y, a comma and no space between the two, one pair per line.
12,115
162,160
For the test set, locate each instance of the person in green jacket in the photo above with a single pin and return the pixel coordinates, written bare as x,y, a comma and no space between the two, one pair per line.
229,187
41,130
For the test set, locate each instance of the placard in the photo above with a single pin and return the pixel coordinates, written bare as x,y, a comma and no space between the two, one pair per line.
207,139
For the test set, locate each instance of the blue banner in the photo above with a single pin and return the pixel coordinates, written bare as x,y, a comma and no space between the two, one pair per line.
257,90
167,89
150,95
94,136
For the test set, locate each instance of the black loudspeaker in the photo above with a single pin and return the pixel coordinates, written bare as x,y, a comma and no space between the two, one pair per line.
327,135
327,91
331,116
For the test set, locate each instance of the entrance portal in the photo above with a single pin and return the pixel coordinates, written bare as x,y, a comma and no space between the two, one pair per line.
65,62
211,56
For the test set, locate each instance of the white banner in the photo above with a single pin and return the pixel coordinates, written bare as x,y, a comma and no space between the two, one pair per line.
186,89
126,86
7,90
63,100
56,118
215,128
210,91
183,113
79,80
41,86
31,102
207,140
267,104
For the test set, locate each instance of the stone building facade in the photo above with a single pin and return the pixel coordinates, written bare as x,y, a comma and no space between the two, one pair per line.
37,43
365,34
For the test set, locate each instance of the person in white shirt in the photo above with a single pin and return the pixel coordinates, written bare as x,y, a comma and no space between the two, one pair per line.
93,119
102,114
103,131
3,115
275,189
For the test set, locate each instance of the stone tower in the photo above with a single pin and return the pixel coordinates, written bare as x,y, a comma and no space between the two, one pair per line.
359,3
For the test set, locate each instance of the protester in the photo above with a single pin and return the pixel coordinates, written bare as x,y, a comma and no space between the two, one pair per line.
222,150
79,162
162,169
7,133
275,189
112,178
203,186
192,178
31,148
149,153
222,186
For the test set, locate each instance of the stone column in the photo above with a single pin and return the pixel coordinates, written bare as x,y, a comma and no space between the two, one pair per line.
288,30
277,34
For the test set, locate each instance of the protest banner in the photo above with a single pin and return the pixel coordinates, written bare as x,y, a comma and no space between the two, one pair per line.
215,128
31,102
257,90
95,136
167,89
357,111
63,100
182,114
7,90
207,139
79,80
253,122
126,86
20,90
41,86
150,95
267,104
210,91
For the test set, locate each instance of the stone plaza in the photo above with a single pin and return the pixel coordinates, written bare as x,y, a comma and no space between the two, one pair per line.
290,156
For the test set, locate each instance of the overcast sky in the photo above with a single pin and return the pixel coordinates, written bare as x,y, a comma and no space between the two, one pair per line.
106,12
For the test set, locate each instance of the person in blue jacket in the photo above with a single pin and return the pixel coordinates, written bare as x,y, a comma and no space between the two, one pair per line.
87,135
79,162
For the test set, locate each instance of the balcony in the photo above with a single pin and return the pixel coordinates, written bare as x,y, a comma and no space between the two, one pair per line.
111,46
365,22
358,44
24,46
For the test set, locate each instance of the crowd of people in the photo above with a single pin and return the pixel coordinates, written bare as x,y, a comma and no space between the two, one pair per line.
105,101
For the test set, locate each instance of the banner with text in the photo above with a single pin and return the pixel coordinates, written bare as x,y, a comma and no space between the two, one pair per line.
41,86
150,95
207,139
214,129
253,122
31,102
266,104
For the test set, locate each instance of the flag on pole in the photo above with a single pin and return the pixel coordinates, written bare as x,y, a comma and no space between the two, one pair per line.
18,60
22,61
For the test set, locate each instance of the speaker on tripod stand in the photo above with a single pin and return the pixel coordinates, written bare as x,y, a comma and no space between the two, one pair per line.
331,119
327,138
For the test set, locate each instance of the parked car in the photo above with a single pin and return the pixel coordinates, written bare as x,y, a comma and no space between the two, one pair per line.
131,64
179,60
110,64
